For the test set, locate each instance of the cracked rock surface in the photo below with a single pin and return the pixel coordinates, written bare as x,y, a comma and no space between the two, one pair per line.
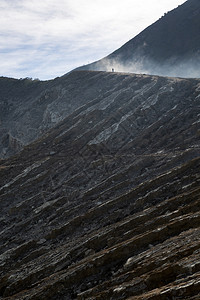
106,204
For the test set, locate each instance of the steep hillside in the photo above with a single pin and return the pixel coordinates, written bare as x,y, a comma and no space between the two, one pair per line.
170,46
28,108
106,204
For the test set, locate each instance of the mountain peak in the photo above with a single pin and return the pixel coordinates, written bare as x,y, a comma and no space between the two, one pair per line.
169,47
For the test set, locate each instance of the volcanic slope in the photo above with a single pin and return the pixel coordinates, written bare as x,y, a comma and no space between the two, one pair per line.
170,46
28,108
106,204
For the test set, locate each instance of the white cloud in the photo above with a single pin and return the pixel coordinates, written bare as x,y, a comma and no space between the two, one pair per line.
48,38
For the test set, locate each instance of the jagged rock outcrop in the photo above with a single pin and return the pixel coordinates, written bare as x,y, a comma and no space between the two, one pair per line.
106,204
169,47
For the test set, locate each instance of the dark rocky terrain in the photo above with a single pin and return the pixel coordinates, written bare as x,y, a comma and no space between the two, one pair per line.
29,108
106,204
169,47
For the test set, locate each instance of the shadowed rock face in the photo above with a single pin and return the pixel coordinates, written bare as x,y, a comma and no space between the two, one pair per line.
29,108
169,47
106,204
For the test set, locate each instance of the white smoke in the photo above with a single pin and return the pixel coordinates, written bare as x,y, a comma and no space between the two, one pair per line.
187,68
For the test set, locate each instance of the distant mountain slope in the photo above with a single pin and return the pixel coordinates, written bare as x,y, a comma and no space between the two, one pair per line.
28,108
106,204
170,46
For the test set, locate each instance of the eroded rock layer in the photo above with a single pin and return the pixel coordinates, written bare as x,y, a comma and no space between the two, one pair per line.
106,204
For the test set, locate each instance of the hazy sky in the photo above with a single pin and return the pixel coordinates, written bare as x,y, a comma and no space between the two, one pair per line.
47,38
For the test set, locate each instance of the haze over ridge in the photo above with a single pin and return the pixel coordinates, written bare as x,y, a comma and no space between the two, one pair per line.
49,38
168,47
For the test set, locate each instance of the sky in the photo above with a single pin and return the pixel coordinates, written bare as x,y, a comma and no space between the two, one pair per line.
47,38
